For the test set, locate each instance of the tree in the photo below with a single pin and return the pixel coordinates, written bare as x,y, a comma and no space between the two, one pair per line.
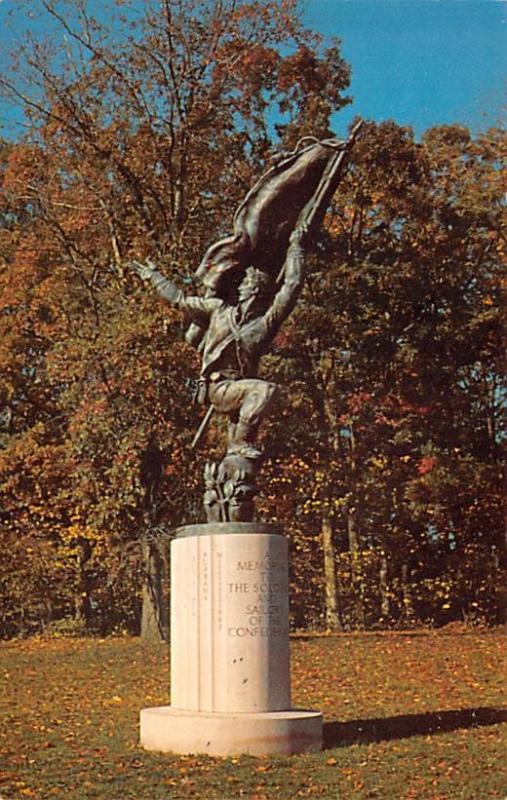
398,329
145,132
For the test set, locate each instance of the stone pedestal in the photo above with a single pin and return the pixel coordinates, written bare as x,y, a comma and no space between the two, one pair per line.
230,673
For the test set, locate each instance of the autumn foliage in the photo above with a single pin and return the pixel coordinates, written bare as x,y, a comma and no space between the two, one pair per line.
385,457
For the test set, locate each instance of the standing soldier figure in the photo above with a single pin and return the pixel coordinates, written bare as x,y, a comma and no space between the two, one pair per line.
236,336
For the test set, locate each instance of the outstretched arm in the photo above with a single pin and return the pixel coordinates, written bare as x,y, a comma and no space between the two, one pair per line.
293,278
197,308
164,287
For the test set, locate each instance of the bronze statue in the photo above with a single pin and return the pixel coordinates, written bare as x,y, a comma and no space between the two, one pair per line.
252,281
236,335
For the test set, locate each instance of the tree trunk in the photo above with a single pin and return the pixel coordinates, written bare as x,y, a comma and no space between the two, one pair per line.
333,622
352,532
82,598
408,611
154,617
385,609
356,573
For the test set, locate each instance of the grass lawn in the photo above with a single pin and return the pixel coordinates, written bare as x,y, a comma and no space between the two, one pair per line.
407,716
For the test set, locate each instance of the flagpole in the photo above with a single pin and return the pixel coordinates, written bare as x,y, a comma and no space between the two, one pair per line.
316,202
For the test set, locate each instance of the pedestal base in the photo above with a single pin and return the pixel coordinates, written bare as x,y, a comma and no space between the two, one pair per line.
175,730
230,670
230,619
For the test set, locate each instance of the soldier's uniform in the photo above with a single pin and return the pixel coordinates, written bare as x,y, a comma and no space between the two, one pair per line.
236,336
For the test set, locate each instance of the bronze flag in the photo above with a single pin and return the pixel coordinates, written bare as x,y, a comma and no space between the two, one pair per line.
297,189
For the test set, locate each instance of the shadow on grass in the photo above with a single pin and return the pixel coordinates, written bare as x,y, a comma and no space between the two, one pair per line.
340,734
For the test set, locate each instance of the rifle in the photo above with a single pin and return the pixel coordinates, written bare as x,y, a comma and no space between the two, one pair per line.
202,427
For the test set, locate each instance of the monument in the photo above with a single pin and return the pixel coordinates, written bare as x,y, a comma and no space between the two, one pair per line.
230,671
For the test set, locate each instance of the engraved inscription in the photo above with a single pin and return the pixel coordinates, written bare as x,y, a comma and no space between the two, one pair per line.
264,613
220,613
235,588
205,575
245,631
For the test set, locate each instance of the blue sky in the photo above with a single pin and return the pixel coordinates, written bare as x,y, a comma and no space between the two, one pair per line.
419,62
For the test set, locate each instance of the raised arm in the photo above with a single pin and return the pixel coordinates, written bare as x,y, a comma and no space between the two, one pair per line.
292,282
198,309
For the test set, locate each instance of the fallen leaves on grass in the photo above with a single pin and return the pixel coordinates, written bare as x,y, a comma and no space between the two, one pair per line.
402,707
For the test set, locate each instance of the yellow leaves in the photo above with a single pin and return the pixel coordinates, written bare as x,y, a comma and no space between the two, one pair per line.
78,531
341,502
116,700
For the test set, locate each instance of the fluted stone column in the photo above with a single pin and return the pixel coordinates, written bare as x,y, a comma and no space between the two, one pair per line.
230,672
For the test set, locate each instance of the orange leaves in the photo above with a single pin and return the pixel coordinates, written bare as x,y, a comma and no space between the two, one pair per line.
356,401
23,166
426,464
300,67
261,58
